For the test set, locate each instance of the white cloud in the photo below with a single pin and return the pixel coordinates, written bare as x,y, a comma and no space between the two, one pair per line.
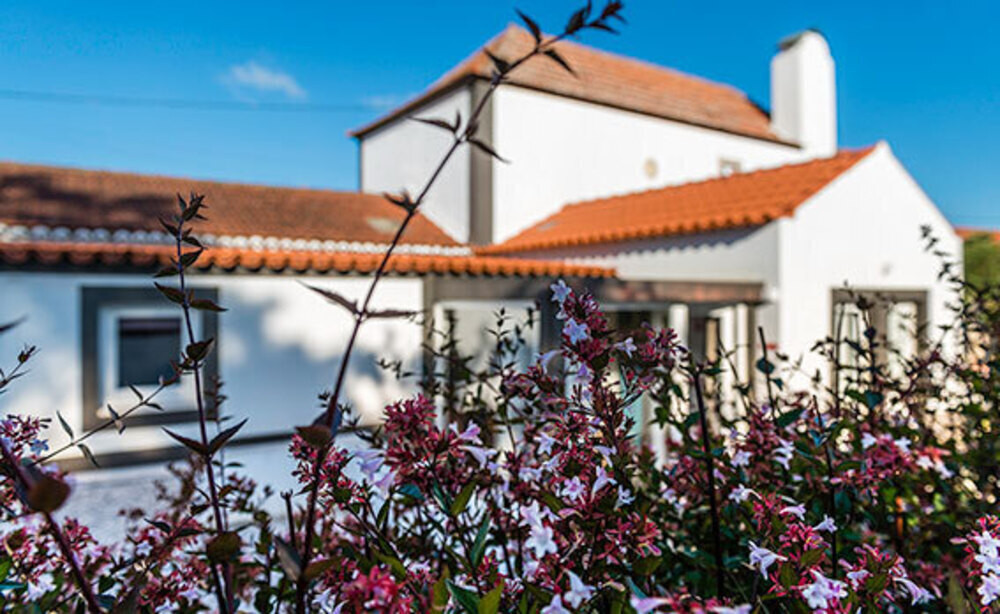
261,78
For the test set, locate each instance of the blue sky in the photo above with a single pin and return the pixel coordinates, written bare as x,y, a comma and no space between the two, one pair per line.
922,75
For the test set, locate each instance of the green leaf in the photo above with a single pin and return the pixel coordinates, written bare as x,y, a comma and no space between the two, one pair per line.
532,25
397,567
191,444
558,59
88,454
765,366
190,257
316,435
288,558
172,294
335,298
467,599
486,149
873,399
647,566
204,304
318,568
462,500
223,547
439,592
198,350
479,546
490,603
220,440
788,417
437,123
65,425
116,419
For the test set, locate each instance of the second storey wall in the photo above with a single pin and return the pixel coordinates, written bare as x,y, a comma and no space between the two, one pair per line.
404,153
563,150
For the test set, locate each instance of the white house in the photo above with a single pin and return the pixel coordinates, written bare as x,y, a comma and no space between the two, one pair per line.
672,198
666,177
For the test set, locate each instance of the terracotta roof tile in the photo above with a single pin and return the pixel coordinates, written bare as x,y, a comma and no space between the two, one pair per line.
607,79
745,199
966,233
33,195
114,254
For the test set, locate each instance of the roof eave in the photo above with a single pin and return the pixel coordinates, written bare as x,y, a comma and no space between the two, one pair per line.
434,93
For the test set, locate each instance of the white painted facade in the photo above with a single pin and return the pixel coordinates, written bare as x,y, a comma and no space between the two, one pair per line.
564,150
403,154
559,150
862,230
279,345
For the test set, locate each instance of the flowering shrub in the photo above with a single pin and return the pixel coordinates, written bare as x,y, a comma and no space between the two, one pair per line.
572,513
533,490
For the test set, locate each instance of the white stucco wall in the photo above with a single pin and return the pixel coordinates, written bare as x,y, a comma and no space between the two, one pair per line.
279,346
863,229
404,153
564,150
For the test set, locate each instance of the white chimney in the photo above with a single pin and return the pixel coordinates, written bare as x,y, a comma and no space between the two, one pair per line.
804,93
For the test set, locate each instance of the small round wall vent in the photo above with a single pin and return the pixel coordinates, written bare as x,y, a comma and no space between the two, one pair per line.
650,168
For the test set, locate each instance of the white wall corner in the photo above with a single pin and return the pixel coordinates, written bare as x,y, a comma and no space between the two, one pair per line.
804,93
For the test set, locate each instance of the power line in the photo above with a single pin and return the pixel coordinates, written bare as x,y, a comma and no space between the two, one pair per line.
183,104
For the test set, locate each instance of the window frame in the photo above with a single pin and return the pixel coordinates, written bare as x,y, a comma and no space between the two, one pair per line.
101,310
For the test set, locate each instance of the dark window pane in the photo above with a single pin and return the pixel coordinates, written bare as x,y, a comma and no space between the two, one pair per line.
145,348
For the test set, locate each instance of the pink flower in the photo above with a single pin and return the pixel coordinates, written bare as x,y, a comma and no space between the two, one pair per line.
555,607
575,331
541,541
573,489
579,592
762,558
822,591
602,479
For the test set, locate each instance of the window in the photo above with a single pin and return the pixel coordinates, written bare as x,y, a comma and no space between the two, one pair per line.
729,167
130,338
145,348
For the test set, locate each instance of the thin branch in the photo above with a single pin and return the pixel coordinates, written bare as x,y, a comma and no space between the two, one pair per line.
109,423
710,469
331,415
226,602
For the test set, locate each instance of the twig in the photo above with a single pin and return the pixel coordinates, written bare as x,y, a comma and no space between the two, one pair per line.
710,469
767,372
85,436
332,408
226,602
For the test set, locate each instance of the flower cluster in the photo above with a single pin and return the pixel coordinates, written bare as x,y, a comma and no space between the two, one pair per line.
552,494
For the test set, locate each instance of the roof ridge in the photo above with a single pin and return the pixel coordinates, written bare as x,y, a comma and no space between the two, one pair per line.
612,79
634,60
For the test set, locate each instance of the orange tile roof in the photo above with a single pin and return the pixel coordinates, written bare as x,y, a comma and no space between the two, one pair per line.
607,79
967,233
33,195
741,200
227,259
